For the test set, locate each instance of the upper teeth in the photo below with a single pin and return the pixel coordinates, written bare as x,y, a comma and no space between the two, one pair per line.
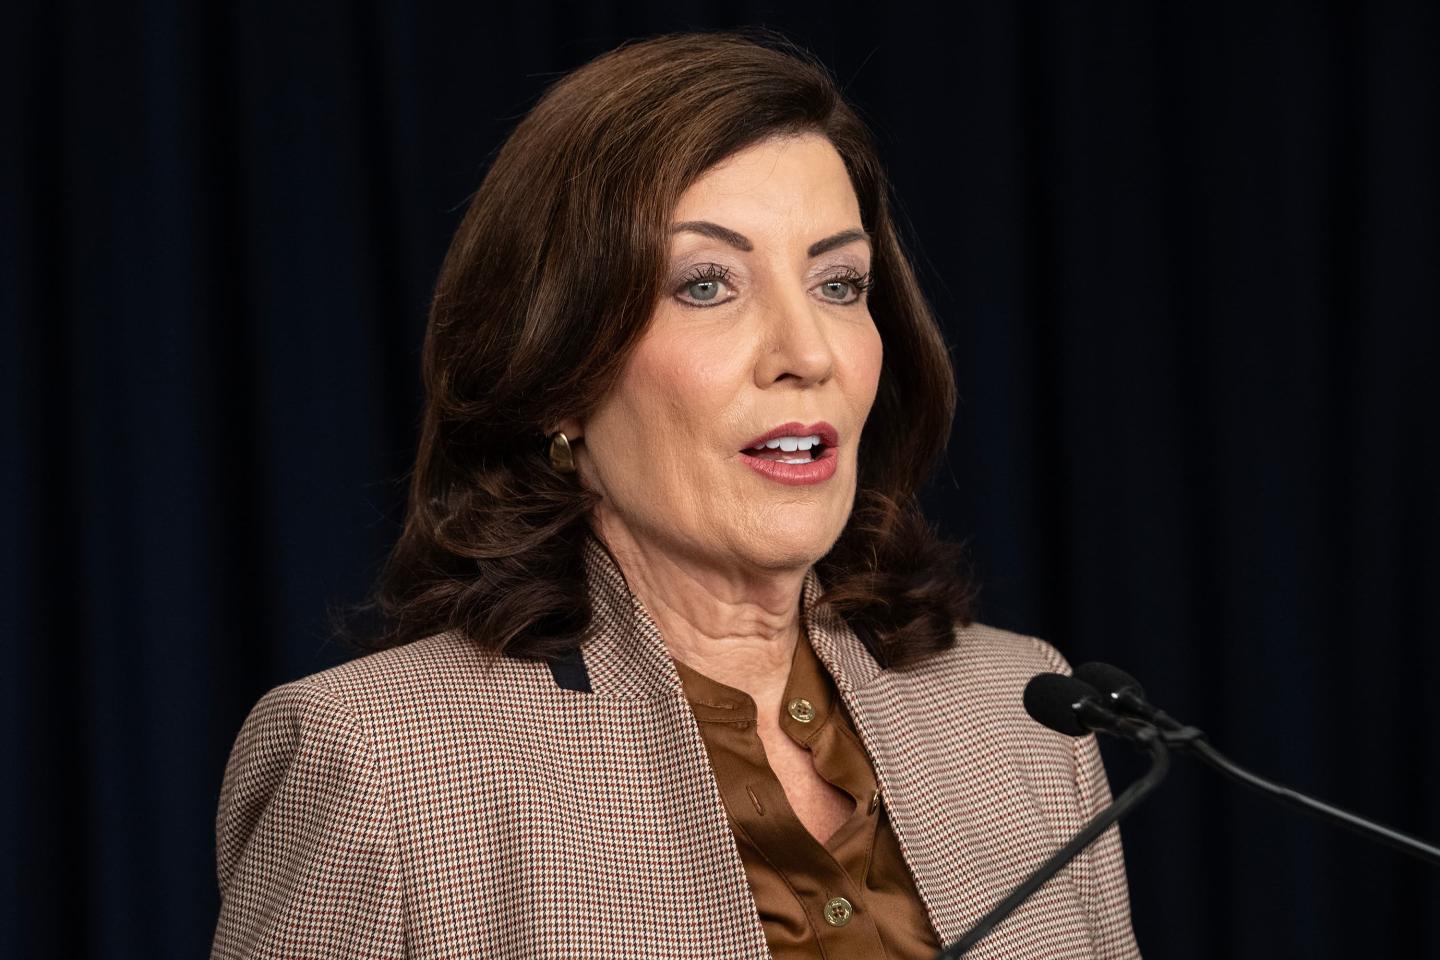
789,444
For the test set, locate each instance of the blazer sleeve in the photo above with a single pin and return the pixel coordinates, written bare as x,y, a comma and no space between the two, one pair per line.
1100,868
305,844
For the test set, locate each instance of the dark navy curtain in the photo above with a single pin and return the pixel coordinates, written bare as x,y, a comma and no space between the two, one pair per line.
1188,257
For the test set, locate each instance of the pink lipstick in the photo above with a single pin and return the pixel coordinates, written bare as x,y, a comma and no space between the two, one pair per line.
794,453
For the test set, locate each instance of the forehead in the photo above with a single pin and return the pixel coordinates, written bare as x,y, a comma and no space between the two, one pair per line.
796,181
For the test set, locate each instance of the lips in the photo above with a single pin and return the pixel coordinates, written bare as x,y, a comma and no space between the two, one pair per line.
829,436
807,472
816,470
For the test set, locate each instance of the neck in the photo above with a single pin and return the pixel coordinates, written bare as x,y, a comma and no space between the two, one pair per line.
737,626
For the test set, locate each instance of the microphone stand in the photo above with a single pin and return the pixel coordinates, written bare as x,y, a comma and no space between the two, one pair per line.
1152,741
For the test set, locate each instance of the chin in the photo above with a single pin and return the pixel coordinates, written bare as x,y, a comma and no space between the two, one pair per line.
784,549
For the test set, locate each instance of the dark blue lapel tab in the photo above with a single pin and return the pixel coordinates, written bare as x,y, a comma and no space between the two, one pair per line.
570,672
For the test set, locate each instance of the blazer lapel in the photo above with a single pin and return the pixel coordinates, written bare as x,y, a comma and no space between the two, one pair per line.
967,825
635,710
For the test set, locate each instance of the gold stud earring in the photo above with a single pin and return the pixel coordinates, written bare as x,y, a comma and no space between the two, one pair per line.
562,455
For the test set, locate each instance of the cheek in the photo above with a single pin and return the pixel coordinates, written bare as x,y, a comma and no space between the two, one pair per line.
864,355
675,392
666,432
692,378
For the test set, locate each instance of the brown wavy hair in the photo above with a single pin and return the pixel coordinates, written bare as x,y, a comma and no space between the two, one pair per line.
549,283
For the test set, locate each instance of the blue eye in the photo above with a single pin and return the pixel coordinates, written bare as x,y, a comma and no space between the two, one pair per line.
703,283
850,278
701,286
703,290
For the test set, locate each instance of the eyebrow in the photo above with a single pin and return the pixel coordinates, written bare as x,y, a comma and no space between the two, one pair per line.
740,242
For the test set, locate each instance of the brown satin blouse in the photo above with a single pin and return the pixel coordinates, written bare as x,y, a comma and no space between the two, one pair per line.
851,898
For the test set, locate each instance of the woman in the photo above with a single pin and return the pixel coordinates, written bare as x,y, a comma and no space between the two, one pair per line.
674,666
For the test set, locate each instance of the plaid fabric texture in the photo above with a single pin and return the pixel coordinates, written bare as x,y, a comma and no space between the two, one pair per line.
435,801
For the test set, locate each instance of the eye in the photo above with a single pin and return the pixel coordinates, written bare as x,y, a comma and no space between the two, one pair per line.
703,285
847,279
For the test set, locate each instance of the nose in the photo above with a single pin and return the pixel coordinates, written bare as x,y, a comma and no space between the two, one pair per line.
797,345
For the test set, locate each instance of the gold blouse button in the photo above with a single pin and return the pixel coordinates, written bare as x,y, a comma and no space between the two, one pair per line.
801,711
838,912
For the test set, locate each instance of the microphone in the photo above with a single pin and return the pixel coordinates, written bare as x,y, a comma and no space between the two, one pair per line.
1120,689
1123,694
1075,708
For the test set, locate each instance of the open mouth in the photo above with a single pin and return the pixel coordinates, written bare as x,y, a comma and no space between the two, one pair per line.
792,450
794,453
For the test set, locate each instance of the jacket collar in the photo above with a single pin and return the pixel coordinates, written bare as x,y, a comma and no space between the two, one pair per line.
625,657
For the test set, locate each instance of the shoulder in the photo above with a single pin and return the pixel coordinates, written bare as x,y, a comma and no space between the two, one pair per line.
343,709
1008,648
406,705
307,848
377,694
438,661
339,734
991,658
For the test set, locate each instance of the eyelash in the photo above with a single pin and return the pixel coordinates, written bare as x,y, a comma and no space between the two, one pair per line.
862,282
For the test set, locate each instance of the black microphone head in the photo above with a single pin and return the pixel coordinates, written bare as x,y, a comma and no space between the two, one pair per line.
1050,699
1108,679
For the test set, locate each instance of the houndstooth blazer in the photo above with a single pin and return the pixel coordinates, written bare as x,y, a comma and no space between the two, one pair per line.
436,801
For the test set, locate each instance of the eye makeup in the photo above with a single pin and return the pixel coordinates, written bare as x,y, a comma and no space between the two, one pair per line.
716,274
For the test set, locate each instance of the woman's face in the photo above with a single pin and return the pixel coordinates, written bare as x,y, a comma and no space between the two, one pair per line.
763,329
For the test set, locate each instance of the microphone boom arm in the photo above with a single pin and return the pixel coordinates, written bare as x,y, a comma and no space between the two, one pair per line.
1368,828
1128,698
